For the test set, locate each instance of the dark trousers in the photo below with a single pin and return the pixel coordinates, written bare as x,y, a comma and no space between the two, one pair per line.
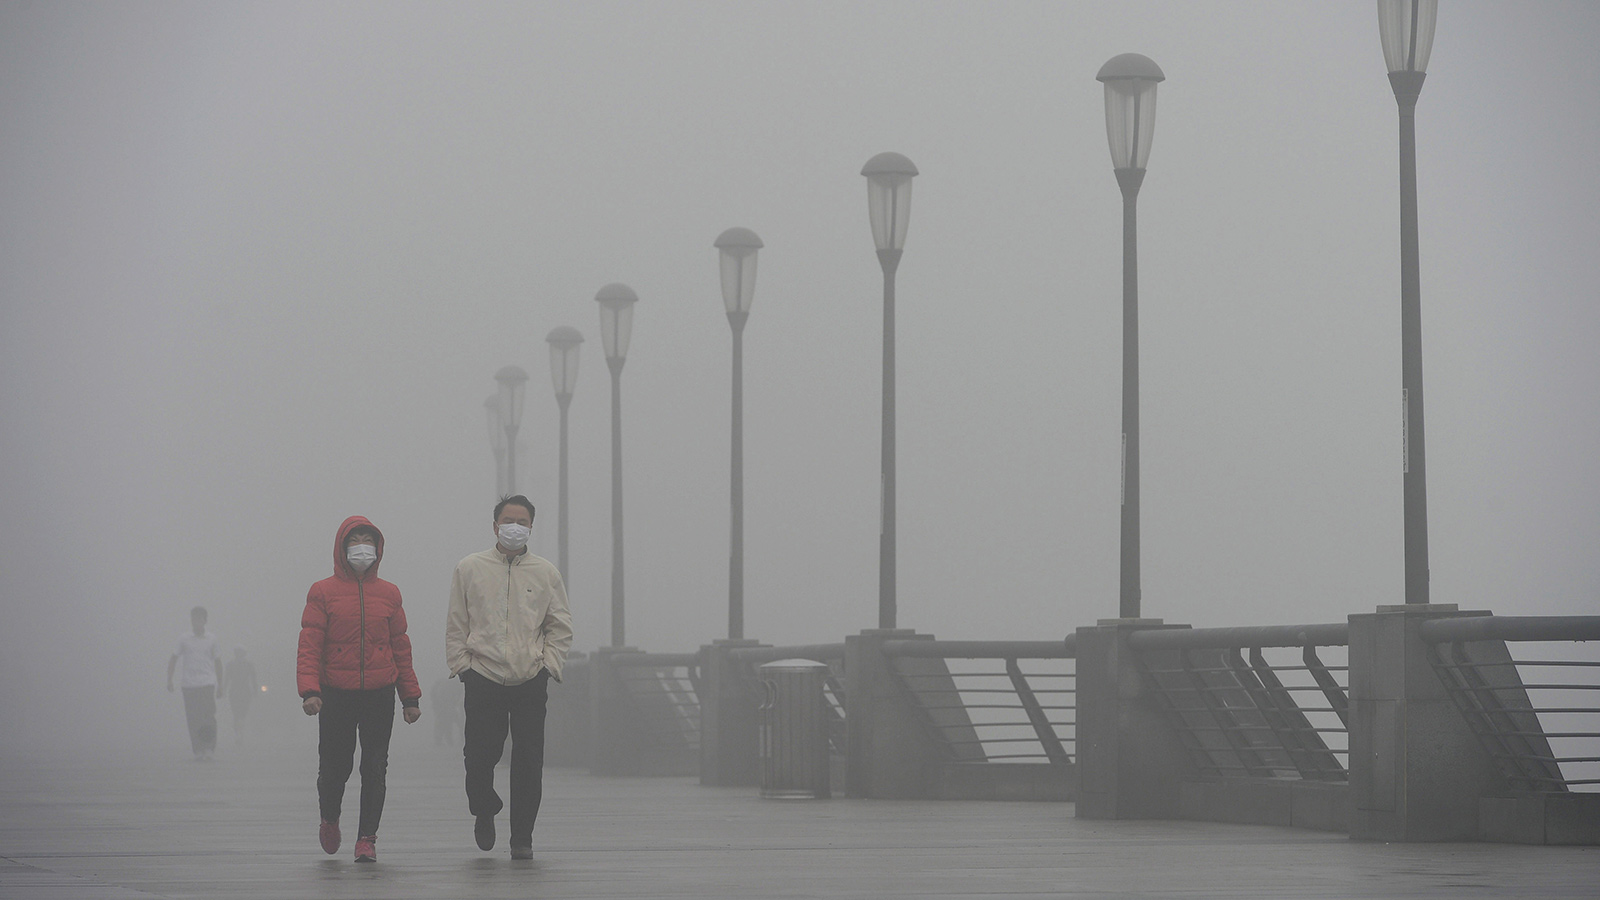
200,709
345,716
492,710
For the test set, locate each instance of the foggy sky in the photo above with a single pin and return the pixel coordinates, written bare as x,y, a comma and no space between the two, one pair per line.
259,263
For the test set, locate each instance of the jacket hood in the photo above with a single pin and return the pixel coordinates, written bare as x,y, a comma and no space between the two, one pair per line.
341,566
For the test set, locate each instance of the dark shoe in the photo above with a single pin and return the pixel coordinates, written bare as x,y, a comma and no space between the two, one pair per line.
328,834
522,852
365,849
484,832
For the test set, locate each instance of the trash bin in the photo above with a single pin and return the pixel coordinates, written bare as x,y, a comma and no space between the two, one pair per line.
794,730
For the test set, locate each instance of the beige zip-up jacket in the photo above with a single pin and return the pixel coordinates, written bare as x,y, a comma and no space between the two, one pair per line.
507,619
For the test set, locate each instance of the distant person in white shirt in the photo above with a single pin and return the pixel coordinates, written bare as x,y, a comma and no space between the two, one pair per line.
201,679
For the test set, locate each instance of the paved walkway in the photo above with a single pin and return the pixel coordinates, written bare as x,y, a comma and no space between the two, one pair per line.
245,827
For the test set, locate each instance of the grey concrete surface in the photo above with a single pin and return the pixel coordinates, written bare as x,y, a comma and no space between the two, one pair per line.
244,826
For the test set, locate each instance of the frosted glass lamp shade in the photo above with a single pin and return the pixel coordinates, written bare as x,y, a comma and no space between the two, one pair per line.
564,342
1406,27
513,381
738,248
616,318
889,198
1130,81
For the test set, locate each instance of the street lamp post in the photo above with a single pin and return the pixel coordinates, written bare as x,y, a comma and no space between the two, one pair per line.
738,248
1406,28
497,443
1130,81
889,207
616,327
513,381
564,342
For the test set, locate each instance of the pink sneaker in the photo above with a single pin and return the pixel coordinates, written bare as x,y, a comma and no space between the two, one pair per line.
366,851
328,834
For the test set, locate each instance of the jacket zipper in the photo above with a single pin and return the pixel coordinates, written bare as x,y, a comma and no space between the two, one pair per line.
361,661
505,649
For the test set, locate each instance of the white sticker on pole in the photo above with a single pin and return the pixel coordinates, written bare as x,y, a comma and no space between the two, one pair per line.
1405,432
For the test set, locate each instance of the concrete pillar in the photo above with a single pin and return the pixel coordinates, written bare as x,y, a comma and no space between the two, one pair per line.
612,729
889,754
729,717
567,716
1417,772
1131,763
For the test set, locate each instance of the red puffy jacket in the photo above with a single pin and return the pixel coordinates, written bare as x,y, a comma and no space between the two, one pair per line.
353,630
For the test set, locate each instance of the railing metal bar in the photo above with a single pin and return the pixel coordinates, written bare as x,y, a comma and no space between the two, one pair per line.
755,656
1335,693
1542,687
1064,649
1532,664
1493,719
1221,714
1510,628
1323,762
1333,634
1036,716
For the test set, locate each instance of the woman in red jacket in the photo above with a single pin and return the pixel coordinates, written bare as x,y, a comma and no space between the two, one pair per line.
354,657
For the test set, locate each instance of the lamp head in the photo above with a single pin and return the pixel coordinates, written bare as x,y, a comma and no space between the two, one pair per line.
1406,28
616,318
564,342
738,248
1130,81
889,198
512,380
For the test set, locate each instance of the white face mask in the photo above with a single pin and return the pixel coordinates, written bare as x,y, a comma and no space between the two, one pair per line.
513,536
361,556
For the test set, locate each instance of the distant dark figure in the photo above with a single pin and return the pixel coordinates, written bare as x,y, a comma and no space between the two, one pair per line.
506,635
354,656
446,696
240,681
201,680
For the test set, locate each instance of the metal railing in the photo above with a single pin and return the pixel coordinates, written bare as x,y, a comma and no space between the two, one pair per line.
1023,710
663,691
1539,736
1261,717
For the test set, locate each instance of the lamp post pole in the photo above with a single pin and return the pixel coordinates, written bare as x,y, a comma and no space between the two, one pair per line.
1406,29
889,207
737,254
616,327
1130,81
512,380
564,342
497,443
1130,593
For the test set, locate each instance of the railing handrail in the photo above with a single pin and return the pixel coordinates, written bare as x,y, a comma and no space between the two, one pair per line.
1333,634
1063,649
1510,628
759,655
641,658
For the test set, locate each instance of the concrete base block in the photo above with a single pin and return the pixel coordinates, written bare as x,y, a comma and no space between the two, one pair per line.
1244,801
1006,781
1566,819
1315,805
1321,806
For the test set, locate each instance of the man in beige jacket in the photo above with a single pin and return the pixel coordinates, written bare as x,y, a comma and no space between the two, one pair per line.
506,635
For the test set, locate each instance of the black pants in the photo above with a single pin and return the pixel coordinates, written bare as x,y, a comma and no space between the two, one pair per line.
493,709
200,709
345,716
